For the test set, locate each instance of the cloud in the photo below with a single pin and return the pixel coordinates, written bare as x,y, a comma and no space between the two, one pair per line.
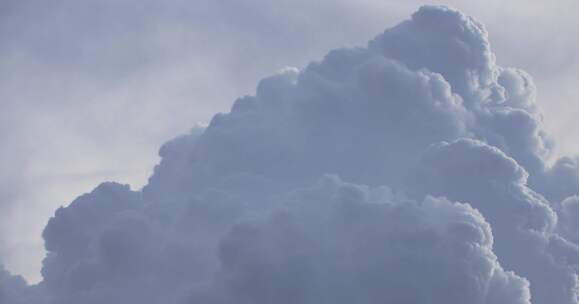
13,290
523,222
10,287
80,71
342,243
568,225
77,72
440,190
561,180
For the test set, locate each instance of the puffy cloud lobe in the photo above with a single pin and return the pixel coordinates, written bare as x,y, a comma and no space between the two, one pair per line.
14,290
472,171
560,180
444,41
91,241
10,287
333,125
112,246
569,225
344,243
518,89
502,100
423,109
522,220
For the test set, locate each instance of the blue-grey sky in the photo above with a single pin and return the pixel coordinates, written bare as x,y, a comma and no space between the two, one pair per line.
89,90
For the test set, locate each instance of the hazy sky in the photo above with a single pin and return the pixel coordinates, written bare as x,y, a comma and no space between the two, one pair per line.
89,90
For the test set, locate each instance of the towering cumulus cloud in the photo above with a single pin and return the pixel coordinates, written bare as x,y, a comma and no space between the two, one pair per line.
413,170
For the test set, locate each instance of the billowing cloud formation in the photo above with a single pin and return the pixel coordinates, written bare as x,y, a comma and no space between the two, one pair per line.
343,243
522,220
439,191
569,226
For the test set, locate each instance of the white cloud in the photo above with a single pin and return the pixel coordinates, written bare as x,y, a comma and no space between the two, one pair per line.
424,109
344,243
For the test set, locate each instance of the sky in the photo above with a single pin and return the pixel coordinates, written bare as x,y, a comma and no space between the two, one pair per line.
89,90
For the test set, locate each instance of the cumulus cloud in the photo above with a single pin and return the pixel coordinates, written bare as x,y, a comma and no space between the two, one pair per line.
341,243
439,190
569,226
522,220
14,290
10,287
560,180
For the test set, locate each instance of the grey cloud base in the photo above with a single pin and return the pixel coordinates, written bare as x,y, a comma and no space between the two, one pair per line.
438,191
